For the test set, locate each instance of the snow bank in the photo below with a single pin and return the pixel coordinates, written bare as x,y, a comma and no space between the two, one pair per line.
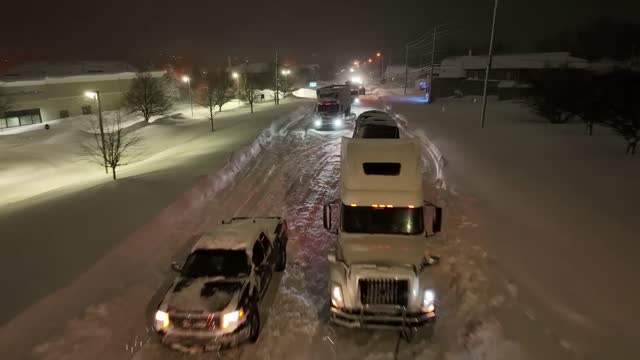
305,93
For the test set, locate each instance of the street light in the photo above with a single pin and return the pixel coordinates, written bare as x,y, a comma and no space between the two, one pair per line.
236,76
369,61
286,73
95,95
351,70
187,80
379,55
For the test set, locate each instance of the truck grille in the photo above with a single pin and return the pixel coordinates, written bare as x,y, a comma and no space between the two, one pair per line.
383,291
197,322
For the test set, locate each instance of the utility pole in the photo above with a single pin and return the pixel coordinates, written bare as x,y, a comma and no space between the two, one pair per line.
433,57
486,75
406,69
276,98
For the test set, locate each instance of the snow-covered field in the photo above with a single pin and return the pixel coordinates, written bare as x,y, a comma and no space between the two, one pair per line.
554,210
535,257
51,240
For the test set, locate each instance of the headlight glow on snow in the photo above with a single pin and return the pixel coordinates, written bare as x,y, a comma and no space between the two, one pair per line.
162,318
232,318
356,79
336,296
317,123
337,122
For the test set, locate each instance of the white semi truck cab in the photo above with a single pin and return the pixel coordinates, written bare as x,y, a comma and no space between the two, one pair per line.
380,275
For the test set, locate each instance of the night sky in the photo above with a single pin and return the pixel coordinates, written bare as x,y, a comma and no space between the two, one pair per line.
303,31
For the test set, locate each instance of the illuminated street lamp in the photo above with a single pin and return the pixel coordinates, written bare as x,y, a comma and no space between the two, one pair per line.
351,70
369,61
286,73
236,76
95,95
187,80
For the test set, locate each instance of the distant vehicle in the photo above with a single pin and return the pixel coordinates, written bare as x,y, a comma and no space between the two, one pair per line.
334,105
376,124
356,87
213,303
380,275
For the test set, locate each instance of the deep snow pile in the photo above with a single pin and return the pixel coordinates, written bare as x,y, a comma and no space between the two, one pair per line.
545,200
305,93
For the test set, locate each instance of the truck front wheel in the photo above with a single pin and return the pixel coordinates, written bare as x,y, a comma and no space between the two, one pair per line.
282,260
254,330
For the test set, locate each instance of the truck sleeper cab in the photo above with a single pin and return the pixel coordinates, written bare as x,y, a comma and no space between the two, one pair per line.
334,105
380,275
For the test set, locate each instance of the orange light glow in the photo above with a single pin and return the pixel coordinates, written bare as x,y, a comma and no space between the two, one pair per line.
411,206
354,205
378,54
389,206
375,205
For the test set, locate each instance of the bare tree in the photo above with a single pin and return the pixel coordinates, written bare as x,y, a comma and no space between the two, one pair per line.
5,103
148,96
120,145
248,93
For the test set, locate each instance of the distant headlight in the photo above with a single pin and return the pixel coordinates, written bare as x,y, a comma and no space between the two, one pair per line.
317,123
232,318
356,101
337,122
162,320
336,296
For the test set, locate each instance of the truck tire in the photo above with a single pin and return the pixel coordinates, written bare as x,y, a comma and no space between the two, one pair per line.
281,264
254,323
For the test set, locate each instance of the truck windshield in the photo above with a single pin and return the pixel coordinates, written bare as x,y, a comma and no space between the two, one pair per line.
227,263
370,220
328,108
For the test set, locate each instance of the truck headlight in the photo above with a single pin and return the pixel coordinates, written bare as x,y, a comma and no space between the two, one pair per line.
429,301
356,101
336,296
337,122
162,320
232,318
317,123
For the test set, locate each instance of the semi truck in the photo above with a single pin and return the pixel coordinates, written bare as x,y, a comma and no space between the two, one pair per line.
334,105
380,274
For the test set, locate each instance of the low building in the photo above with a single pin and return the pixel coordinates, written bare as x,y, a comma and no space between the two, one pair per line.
508,77
41,92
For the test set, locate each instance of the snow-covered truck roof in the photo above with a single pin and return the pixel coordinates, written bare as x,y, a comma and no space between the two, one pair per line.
381,171
376,117
237,234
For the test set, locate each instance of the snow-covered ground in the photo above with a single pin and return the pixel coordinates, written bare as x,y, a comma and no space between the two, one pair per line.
554,212
50,240
534,254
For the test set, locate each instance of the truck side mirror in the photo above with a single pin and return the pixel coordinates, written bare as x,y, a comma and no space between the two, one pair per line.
437,220
326,216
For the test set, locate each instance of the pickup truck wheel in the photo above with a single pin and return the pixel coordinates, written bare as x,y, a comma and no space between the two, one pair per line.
282,260
254,323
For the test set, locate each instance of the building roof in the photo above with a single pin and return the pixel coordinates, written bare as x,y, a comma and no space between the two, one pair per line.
512,61
364,189
47,70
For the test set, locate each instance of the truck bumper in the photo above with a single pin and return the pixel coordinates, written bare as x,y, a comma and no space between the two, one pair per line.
199,342
384,321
